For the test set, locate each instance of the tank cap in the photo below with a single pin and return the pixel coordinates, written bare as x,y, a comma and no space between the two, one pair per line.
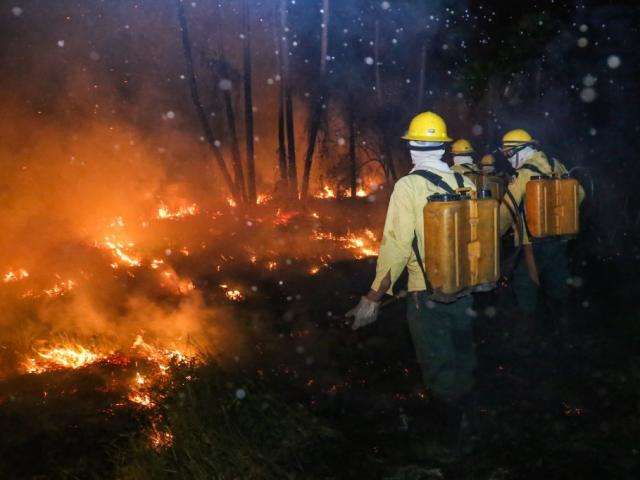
443,197
484,194
536,177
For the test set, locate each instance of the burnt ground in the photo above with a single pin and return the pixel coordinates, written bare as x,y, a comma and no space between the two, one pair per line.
322,401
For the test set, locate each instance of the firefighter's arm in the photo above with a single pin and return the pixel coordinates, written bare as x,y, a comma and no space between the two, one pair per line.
395,248
581,194
507,208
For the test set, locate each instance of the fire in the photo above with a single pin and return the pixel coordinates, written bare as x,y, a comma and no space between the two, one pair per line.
232,294
118,250
231,202
160,440
272,265
161,356
70,356
263,198
363,245
12,276
164,213
60,288
326,192
172,281
142,399
284,217
156,263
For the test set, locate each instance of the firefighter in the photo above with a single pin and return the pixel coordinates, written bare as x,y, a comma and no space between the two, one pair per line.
442,333
541,263
463,157
488,164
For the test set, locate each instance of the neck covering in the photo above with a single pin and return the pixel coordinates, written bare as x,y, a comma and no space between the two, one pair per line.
521,157
462,160
488,169
429,160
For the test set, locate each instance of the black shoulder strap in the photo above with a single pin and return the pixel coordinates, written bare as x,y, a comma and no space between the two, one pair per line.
534,169
552,164
459,179
435,179
416,251
468,167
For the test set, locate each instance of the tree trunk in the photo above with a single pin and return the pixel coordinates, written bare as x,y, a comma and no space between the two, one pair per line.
282,146
317,111
386,141
224,73
289,120
195,96
248,105
282,141
352,148
235,146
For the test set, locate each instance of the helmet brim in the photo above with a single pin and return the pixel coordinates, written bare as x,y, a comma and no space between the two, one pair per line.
424,138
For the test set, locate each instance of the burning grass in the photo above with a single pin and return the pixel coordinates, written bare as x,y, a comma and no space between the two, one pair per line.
145,298
227,425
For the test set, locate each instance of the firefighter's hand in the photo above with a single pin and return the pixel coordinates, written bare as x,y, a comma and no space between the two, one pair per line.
364,313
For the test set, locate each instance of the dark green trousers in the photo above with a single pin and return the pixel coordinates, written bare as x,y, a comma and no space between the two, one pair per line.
553,272
442,336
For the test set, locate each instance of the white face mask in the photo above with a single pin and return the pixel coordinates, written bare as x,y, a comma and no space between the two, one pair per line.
430,159
522,157
462,160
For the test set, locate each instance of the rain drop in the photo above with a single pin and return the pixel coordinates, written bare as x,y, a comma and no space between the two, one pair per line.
588,95
613,61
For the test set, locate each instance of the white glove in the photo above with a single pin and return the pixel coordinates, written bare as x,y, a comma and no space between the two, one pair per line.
364,313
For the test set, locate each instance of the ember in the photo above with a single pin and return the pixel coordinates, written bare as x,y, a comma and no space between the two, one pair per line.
15,276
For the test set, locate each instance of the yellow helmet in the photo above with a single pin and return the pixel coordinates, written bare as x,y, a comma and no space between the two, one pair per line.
462,147
487,160
427,127
516,138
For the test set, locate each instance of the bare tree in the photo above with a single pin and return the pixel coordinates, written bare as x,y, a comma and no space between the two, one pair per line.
282,147
353,167
225,77
248,104
387,152
319,101
288,101
195,96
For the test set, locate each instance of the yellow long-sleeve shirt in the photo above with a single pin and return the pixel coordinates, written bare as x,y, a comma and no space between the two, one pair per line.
518,186
404,220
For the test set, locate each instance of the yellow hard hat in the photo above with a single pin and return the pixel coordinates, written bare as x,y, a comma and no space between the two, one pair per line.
516,138
461,147
487,160
427,127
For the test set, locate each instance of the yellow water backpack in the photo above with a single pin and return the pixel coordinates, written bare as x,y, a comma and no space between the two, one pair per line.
551,205
461,235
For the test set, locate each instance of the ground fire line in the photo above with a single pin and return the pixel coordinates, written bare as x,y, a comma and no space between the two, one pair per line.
321,233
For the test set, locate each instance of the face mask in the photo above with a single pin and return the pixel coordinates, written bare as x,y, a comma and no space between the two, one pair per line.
462,160
520,157
428,156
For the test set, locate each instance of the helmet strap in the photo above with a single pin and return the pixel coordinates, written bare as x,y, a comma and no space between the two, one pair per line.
415,148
